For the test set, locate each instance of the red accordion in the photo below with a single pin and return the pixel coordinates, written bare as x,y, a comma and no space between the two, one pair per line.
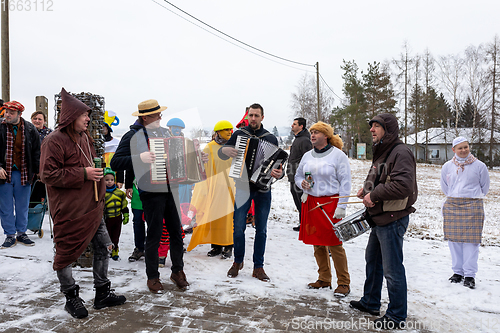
178,161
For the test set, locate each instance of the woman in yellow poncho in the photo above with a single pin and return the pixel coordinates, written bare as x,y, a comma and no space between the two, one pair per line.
214,199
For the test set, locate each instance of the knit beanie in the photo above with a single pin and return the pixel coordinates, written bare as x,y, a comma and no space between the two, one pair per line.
108,171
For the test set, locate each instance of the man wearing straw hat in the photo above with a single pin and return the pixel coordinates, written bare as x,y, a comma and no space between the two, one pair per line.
329,169
388,193
158,200
464,181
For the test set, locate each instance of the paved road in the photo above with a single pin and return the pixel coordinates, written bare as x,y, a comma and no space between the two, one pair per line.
177,311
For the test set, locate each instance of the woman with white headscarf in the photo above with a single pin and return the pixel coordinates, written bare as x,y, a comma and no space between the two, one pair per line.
464,181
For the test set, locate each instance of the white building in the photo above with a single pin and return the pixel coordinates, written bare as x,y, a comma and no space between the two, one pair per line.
437,142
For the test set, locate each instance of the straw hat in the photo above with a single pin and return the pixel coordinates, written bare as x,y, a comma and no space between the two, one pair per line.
148,107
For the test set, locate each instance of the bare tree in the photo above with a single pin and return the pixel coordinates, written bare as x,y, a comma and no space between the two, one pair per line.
417,101
429,68
451,73
197,133
304,101
403,66
493,54
476,88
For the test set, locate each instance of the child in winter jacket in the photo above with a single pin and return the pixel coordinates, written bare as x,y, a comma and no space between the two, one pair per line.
115,210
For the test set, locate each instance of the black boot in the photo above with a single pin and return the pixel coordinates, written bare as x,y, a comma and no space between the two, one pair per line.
105,297
227,252
74,304
215,251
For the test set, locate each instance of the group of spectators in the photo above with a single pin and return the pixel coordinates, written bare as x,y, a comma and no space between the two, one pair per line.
20,150
320,183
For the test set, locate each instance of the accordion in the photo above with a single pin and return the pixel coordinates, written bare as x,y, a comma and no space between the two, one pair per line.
178,161
258,158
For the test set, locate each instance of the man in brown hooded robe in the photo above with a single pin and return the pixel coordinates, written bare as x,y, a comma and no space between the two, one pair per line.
67,169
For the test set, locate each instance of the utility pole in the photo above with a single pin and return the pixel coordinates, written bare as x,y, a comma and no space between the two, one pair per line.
317,90
4,8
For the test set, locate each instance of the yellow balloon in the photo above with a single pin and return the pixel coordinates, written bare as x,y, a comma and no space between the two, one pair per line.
110,118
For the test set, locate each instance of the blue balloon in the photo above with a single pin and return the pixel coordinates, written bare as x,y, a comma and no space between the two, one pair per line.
115,122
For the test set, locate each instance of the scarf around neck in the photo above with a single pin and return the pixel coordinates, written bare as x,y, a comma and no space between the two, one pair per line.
219,140
10,151
462,162
325,148
111,189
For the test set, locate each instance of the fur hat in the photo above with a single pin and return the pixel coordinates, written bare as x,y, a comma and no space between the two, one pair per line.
327,130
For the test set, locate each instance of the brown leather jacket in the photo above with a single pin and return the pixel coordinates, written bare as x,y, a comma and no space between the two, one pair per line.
396,190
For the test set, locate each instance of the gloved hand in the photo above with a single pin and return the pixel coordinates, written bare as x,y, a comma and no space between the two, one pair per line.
339,213
303,198
125,218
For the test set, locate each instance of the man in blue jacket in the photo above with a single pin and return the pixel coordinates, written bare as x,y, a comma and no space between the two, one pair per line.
245,193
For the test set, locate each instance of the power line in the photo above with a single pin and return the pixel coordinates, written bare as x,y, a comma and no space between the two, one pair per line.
340,98
237,40
230,42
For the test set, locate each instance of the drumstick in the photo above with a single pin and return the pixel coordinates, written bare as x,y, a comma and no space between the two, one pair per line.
345,196
319,205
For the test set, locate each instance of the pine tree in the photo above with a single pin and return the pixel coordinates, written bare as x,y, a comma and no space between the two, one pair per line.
493,54
351,119
378,90
275,132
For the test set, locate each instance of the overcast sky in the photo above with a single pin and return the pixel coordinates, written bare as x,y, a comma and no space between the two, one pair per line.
129,51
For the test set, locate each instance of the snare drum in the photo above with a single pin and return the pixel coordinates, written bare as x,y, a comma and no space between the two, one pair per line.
351,226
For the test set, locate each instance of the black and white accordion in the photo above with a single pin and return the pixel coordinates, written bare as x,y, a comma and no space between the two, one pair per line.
178,161
256,159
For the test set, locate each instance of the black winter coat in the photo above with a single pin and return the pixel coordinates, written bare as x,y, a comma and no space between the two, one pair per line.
301,145
262,134
31,148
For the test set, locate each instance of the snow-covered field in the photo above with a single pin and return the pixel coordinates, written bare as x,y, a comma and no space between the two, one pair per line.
432,301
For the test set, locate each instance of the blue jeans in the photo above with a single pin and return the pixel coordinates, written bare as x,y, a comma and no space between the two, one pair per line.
14,194
243,200
384,258
139,229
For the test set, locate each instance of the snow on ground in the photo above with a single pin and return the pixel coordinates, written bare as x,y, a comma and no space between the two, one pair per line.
432,301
